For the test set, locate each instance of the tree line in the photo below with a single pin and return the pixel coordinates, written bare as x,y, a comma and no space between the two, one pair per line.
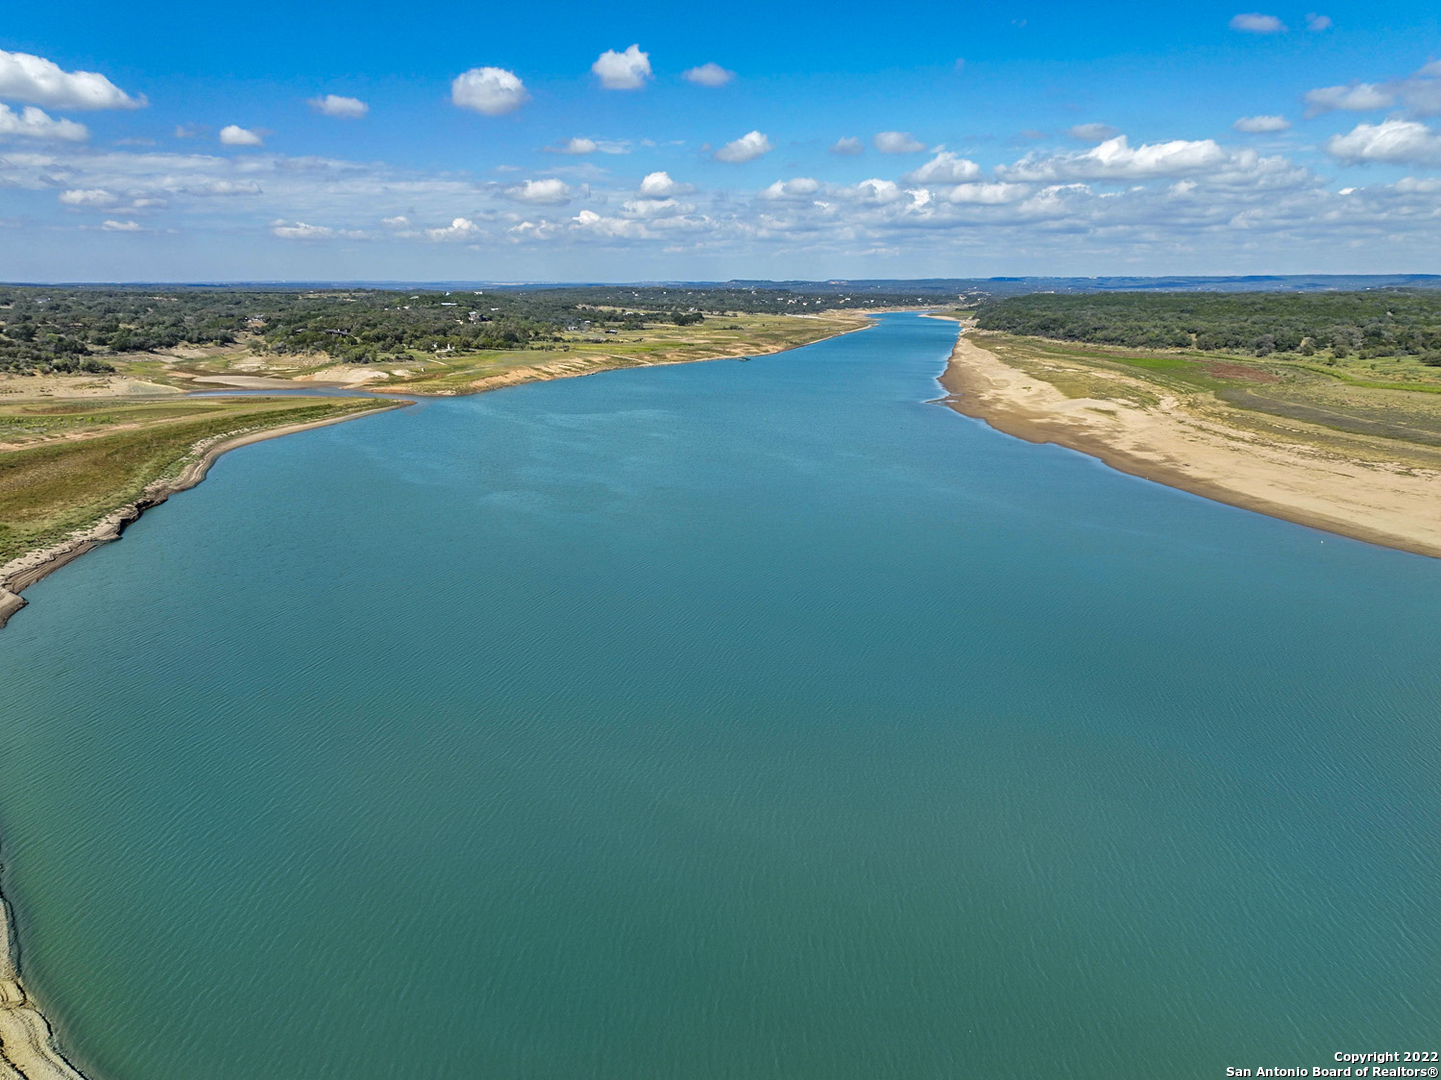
1367,324
73,329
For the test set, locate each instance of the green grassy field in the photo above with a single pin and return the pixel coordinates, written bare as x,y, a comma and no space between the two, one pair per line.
65,465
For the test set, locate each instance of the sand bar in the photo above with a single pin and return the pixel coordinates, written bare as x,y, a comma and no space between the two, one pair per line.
1370,496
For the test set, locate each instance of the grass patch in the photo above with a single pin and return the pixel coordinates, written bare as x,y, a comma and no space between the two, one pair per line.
50,489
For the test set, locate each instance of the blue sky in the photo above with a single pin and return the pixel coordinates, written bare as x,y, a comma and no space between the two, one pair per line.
610,142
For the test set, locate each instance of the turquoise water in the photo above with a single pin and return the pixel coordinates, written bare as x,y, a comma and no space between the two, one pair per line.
721,721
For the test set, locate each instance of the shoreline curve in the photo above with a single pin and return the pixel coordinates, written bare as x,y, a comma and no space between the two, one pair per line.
20,573
1168,448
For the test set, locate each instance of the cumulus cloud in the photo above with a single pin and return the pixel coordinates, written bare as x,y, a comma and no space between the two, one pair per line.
798,187
1354,97
459,229
898,142
33,123
589,221
88,197
709,74
120,226
1401,142
490,90
747,148
1093,133
1255,23
988,194
400,221
944,168
551,192
344,108
849,146
1262,125
627,70
1316,23
38,81
235,135
659,185
876,191
1116,159
655,209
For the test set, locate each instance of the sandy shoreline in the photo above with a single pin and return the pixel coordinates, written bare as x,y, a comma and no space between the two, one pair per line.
1377,501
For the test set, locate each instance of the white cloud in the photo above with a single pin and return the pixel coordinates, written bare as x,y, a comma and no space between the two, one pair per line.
876,191
709,74
459,229
33,123
1093,133
898,142
1262,125
345,108
88,197
798,187
988,194
1395,141
614,228
299,230
656,209
623,71
38,81
659,185
489,90
548,192
849,146
944,168
235,135
1316,23
1116,159
582,146
121,226
747,148
1356,97
400,221
1256,23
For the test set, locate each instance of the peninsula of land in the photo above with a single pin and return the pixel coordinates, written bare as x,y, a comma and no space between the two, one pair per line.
1357,460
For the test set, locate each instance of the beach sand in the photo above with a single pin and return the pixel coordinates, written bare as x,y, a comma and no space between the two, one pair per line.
27,1045
1372,497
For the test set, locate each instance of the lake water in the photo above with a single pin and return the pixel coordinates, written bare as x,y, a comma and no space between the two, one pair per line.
728,720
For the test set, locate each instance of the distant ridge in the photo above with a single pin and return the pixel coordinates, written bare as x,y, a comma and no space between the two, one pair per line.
923,288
